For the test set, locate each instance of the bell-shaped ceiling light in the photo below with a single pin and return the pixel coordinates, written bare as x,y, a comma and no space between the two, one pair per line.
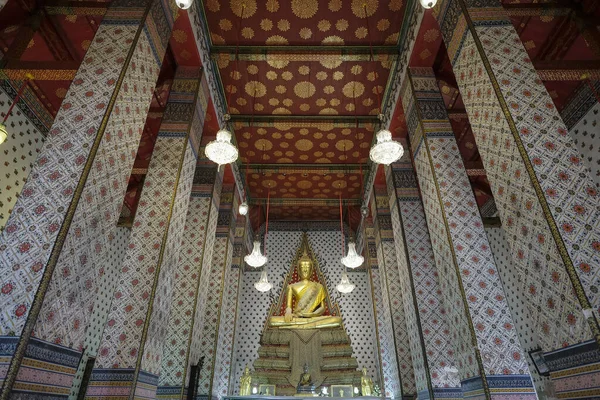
345,286
352,259
221,151
3,133
255,259
263,284
386,150
427,4
243,208
184,4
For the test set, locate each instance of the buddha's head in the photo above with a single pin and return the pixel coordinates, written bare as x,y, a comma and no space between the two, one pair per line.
305,267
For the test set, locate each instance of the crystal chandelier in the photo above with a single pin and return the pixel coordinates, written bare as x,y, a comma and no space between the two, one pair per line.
427,4
352,259
386,150
255,259
183,4
221,151
243,209
3,133
263,284
345,286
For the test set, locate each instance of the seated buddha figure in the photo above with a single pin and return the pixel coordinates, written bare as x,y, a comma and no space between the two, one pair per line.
309,297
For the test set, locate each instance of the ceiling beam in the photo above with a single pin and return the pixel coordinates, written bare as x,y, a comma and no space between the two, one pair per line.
567,70
537,9
304,168
41,71
67,7
315,118
305,53
303,202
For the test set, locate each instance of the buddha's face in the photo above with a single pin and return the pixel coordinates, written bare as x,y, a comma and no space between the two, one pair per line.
304,269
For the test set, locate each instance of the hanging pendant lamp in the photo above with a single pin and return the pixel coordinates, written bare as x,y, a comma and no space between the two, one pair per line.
352,259
184,4
345,286
243,208
427,4
386,150
221,151
263,284
255,259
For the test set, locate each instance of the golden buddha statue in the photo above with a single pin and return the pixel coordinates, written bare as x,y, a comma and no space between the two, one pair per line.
366,383
246,383
310,299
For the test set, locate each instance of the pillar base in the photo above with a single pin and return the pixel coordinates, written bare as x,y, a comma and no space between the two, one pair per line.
505,387
116,383
47,370
575,370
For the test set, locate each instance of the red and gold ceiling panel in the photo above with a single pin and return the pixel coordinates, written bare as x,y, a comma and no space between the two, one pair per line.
304,185
304,143
304,22
304,88
183,44
427,44
296,213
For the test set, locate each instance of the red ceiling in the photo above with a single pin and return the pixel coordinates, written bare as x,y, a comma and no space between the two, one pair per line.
304,22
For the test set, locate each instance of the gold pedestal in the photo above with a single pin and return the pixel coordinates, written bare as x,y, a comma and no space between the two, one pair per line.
283,353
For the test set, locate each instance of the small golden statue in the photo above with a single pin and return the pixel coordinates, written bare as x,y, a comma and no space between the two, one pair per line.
310,299
366,383
246,383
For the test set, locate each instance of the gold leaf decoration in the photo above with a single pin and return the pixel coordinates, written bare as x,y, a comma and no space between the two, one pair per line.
431,35
283,25
213,5
255,89
353,89
335,5
305,8
225,24
362,8
243,8
304,145
383,24
266,24
179,35
247,33
276,40
324,25
305,33
341,25
272,5
333,41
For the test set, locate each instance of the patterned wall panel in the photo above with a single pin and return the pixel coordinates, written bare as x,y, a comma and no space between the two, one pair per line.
401,318
109,276
133,339
515,298
70,203
419,279
212,289
439,163
586,136
356,307
553,306
18,153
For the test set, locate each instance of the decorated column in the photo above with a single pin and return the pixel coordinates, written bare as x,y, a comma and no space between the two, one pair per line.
546,198
57,237
213,293
395,382
129,357
180,349
388,267
222,381
436,368
491,363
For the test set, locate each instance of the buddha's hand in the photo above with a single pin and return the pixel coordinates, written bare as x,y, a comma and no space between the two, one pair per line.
288,315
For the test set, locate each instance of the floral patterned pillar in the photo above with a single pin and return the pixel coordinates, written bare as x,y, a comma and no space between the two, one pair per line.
429,333
393,380
214,293
491,362
129,357
56,239
229,307
546,198
391,293
180,351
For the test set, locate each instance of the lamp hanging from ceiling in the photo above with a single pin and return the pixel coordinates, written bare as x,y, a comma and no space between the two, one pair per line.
3,130
243,208
255,259
427,4
263,284
221,151
184,4
352,259
344,286
386,150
